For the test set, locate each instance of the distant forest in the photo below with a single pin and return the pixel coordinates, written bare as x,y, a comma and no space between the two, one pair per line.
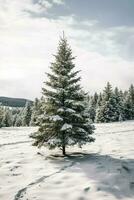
110,105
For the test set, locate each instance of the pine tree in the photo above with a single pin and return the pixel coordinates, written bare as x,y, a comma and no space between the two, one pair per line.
93,106
129,103
64,121
107,110
131,95
27,114
14,112
7,118
119,104
18,121
14,118
99,100
36,112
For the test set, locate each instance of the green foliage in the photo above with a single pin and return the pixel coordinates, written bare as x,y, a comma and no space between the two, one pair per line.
36,112
7,118
107,111
18,121
129,103
27,115
118,95
64,121
92,106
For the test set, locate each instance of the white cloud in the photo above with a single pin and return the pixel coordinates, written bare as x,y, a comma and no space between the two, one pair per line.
27,45
59,2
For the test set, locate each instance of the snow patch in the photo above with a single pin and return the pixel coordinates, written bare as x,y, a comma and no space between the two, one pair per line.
70,110
81,130
55,118
100,170
66,127
60,110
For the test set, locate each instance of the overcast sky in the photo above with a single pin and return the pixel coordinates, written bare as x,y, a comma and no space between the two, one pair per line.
100,32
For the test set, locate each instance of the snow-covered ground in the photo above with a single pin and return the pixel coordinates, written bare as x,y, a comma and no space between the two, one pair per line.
103,170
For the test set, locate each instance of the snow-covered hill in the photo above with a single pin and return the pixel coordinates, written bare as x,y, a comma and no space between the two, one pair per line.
103,170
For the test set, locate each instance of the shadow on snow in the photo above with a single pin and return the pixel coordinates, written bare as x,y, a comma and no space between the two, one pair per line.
112,175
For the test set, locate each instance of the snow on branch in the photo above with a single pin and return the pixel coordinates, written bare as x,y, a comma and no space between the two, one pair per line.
55,118
66,127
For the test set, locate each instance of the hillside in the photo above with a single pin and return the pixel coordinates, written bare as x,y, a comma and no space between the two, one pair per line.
13,102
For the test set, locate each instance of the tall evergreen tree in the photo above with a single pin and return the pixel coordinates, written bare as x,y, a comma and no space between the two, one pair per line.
107,110
64,121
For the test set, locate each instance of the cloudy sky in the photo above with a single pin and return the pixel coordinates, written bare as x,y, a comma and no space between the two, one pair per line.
101,34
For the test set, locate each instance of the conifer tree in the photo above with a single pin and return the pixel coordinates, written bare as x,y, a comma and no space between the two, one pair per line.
15,112
107,110
7,118
99,100
64,121
14,118
18,121
119,105
93,106
27,114
129,103
41,110
131,95
36,111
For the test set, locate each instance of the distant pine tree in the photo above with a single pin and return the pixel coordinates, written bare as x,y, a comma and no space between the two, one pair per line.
64,121
27,114
93,106
107,112
14,118
129,103
18,121
119,105
7,120
99,100
36,112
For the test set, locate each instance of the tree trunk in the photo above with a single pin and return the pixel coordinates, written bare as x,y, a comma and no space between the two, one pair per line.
63,150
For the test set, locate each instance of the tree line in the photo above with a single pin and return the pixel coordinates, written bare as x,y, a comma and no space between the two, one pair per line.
26,116
110,105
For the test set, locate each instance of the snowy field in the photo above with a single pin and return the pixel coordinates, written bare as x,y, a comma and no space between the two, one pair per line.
104,170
